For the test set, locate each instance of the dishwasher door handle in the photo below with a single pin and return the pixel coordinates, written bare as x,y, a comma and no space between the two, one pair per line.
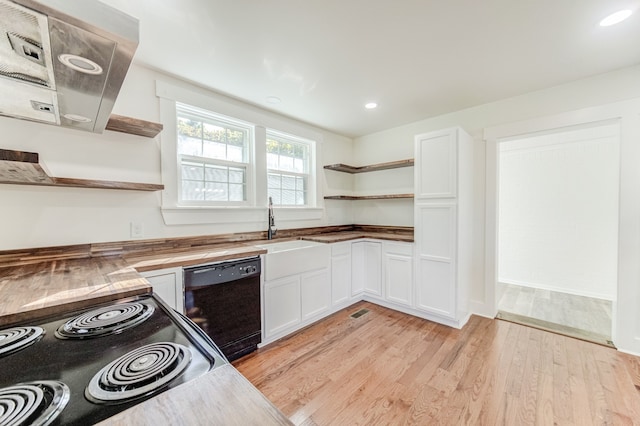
202,271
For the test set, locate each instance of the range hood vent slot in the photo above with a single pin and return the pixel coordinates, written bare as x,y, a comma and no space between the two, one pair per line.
63,58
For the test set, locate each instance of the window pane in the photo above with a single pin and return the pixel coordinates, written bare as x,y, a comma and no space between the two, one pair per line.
275,195
288,197
236,192
217,192
189,145
189,127
236,175
301,198
216,174
286,163
273,181
192,190
192,171
288,182
214,150
212,138
301,184
235,153
237,137
287,190
287,155
214,132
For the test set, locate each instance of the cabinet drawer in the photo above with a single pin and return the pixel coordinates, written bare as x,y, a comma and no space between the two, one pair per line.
405,249
339,249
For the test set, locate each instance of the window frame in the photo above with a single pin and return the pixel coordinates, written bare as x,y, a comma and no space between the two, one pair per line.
310,199
248,164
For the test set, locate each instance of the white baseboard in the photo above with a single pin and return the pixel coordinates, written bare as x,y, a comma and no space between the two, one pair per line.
479,308
417,313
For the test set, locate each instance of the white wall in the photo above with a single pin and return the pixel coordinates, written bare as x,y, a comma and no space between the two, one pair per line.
35,216
558,211
595,91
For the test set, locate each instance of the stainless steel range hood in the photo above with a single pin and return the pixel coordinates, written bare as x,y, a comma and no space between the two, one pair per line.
63,62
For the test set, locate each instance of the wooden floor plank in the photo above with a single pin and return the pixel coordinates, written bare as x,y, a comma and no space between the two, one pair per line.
387,367
562,410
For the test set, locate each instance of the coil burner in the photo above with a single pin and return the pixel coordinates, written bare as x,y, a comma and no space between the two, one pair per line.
140,372
105,321
33,403
14,339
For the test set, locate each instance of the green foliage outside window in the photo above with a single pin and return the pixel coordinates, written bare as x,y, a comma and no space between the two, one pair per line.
198,129
284,148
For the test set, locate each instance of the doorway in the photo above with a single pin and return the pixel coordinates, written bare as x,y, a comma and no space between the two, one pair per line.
558,229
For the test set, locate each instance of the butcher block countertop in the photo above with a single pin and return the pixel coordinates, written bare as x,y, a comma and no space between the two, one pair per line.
221,397
33,289
191,257
39,290
336,237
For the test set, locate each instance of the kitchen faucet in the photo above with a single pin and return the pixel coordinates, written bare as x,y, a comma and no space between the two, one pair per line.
271,230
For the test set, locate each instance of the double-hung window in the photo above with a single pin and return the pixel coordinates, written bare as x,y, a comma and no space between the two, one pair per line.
214,154
289,169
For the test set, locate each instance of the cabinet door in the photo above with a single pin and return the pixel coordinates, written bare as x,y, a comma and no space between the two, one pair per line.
435,287
398,278
357,268
167,283
366,268
435,165
340,273
282,304
436,248
315,288
372,268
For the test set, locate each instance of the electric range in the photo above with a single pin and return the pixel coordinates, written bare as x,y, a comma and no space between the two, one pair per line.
82,367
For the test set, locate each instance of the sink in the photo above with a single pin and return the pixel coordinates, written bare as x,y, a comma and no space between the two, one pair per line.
285,258
278,246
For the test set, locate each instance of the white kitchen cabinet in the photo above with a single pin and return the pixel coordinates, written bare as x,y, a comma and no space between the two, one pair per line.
398,272
436,242
435,167
366,269
315,293
443,217
340,273
167,283
297,287
282,305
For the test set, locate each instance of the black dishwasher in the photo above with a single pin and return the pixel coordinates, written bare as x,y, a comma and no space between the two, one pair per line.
224,300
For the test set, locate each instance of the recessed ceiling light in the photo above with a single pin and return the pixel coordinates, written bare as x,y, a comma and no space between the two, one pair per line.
273,100
371,105
616,18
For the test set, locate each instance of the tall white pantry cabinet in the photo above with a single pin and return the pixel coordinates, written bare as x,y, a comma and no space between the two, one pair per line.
443,228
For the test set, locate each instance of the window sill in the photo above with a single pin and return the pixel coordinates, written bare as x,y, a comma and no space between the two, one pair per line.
225,215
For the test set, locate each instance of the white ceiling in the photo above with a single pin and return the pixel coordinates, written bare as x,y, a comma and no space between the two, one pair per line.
417,58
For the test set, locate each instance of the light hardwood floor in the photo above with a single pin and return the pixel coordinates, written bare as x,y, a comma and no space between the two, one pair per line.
390,368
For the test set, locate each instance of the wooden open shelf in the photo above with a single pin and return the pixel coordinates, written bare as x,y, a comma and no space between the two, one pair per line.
24,168
370,168
133,126
368,197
